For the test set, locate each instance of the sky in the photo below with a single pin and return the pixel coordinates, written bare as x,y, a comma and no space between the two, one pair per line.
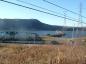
15,12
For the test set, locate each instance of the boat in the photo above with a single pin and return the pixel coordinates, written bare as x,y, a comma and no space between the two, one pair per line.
58,34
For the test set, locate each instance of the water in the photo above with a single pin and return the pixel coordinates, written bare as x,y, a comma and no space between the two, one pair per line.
69,34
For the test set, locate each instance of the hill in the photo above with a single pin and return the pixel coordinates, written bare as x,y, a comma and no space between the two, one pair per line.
28,24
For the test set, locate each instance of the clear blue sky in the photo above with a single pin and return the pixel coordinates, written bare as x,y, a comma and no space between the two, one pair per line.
12,11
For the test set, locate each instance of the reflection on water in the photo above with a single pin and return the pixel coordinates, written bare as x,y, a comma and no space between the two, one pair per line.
68,34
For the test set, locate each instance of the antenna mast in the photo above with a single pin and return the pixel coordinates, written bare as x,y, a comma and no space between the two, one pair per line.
80,18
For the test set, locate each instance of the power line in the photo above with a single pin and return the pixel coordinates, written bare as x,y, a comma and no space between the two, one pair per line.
39,10
42,8
62,8
36,6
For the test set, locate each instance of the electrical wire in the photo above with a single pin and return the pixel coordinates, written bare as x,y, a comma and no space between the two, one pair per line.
38,10
36,6
62,8
41,8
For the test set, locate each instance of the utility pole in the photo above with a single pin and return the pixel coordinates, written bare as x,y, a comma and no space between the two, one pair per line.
80,21
73,31
64,23
65,19
81,18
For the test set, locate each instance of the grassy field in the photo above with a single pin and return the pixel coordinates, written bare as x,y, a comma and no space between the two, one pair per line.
42,54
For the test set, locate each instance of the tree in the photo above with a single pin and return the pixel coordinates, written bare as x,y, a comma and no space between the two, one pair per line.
11,35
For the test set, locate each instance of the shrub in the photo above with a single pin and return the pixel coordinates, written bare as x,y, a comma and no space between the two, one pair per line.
54,42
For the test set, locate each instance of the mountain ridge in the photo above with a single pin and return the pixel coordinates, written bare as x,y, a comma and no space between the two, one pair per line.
30,24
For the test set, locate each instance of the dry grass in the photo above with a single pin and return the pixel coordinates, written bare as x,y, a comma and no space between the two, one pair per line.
42,54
